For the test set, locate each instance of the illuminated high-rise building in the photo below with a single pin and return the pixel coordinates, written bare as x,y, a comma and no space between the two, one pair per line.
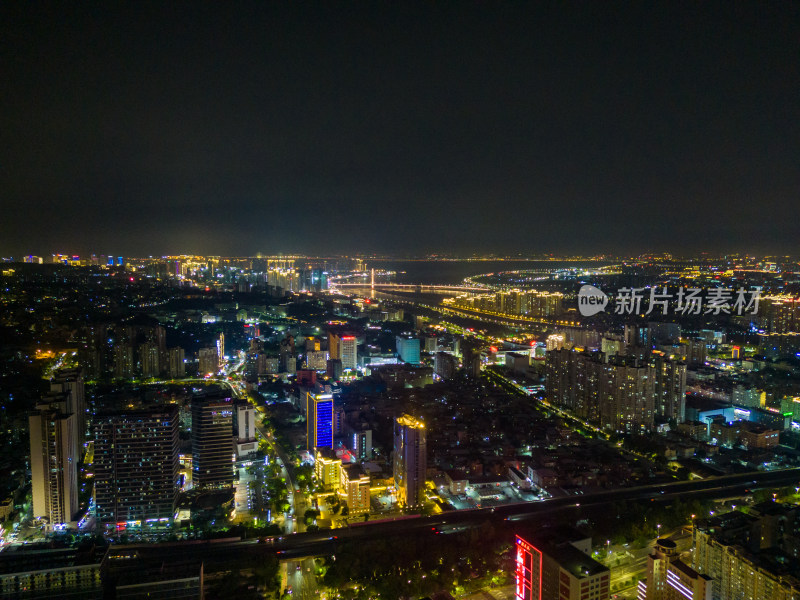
669,578
555,341
221,347
334,350
349,352
550,566
344,348
751,555
317,360
619,393
319,421
136,467
208,361
410,461
360,441
149,360
71,380
408,349
124,365
669,388
177,363
54,476
212,442
244,428
445,365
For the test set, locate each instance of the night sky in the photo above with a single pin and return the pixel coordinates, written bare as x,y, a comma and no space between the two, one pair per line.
236,128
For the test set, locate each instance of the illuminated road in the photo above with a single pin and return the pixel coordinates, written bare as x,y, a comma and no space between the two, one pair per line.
324,542
301,579
297,500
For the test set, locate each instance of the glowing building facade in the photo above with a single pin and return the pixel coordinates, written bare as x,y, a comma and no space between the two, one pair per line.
410,461
319,421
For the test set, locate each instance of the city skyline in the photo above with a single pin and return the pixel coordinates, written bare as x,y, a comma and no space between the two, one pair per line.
400,301
619,129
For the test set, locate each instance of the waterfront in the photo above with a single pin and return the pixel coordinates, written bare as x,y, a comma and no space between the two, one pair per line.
453,272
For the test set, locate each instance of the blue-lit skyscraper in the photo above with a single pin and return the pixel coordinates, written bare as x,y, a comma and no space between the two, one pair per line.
319,421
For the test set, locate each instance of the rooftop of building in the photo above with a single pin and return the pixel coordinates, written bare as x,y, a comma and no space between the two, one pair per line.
727,521
702,403
572,560
456,474
681,566
399,368
409,421
211,400
139,411
773,509
355,471
556,534
327,454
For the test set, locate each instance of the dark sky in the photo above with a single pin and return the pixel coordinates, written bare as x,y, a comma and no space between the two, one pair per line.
234,128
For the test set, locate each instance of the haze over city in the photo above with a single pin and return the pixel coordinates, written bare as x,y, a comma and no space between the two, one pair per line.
623,128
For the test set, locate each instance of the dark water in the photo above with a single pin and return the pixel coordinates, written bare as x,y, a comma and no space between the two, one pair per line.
454,272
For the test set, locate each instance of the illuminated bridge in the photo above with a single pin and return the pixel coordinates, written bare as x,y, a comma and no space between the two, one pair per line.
411,287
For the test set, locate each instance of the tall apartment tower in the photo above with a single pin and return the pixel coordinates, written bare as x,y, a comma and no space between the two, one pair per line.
410,461
123,361
319,421
619,393
149,360
334,349
136,467
245,423
244,428
221,346
670,388
71,380
344,348
212,443
177,366
209,361
751,555
349,347
54,474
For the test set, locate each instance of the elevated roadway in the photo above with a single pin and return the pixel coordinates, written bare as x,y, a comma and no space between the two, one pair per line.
326,541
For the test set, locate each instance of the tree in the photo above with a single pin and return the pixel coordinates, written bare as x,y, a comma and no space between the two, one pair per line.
310,515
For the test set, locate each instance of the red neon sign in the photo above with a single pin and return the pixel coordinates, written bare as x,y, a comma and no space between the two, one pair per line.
523,549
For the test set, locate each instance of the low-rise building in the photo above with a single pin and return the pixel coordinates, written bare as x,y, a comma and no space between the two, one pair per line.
355,484
456,481
327,467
